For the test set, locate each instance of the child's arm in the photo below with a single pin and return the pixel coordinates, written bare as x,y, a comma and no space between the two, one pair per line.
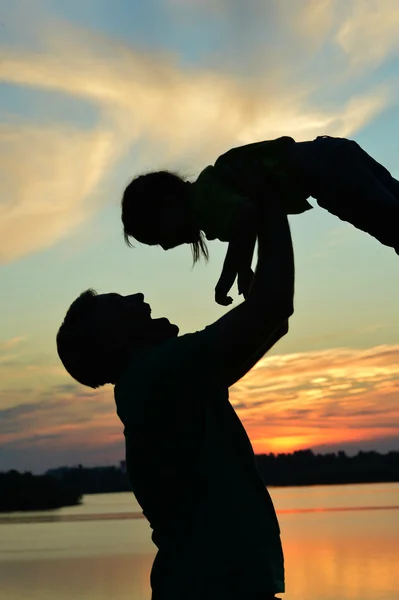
239,255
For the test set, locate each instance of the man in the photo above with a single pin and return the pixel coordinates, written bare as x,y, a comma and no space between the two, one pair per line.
189,460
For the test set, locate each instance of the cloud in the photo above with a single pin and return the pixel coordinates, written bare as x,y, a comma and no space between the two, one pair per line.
8,356
64,424
369,33
334,396
23,373
365,31
11,343
62,411
53,174
47,172
340,398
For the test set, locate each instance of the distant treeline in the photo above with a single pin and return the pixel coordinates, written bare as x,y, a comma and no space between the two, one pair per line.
306,468
24,491
93,480
66,485
299,468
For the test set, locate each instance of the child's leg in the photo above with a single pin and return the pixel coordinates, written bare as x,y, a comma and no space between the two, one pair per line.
379,172
347,182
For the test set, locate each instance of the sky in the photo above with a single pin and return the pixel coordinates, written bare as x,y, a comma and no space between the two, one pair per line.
93,93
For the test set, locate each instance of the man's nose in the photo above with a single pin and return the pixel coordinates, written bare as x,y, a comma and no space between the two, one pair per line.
135,297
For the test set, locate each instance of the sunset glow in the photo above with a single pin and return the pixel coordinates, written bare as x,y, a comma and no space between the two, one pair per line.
93,96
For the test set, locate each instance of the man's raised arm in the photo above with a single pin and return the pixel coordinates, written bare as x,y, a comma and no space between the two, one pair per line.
247,332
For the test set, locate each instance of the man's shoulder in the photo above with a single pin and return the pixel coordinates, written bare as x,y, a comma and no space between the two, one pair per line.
171,355
186,345
182,363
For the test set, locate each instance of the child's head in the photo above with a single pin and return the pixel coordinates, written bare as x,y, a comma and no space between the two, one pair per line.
156,211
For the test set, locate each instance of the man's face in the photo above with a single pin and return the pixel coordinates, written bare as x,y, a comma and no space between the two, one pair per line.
127,319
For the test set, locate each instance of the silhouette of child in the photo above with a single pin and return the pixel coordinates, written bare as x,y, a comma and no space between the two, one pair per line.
161,208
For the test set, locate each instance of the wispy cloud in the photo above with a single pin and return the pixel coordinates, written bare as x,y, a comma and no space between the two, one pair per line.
368,34
8,353
11,343
68,411
48,173
63,424
53,173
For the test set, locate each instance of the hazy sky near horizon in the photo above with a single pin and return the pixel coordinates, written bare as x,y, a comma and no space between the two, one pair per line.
94,92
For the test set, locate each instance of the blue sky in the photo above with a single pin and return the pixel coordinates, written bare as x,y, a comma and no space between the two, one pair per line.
94,92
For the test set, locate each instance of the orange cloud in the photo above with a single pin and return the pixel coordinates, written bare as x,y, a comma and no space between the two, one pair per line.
288,402
327,397
68,414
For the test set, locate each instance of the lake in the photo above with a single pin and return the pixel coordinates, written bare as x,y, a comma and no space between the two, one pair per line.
340,542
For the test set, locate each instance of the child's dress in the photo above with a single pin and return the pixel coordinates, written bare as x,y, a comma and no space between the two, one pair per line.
337,172
245,173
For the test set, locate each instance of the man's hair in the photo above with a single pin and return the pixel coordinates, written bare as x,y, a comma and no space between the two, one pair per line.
83,357
141,204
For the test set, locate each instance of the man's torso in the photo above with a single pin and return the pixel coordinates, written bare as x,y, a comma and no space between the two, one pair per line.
192,469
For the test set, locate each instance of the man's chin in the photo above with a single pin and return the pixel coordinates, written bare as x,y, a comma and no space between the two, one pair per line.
175,330
166,329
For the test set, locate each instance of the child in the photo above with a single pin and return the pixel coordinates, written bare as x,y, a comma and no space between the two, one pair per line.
161,208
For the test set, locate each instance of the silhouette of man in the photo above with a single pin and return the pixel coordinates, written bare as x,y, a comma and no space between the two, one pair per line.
190,463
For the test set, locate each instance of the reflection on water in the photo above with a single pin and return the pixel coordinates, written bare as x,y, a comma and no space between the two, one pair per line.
18,518
340,542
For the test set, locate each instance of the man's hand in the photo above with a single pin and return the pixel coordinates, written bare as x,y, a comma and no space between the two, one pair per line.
244,334
244,281
222,299
223,287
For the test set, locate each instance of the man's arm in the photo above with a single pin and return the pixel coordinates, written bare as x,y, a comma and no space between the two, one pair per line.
246,333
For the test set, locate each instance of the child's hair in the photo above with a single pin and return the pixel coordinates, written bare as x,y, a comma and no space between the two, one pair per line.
141,204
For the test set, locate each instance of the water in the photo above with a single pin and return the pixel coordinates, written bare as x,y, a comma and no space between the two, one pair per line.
340,542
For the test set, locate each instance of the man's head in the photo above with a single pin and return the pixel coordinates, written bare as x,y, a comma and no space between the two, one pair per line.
101,331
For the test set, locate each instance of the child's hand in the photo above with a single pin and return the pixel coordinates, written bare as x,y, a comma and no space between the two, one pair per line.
244,281
223,299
